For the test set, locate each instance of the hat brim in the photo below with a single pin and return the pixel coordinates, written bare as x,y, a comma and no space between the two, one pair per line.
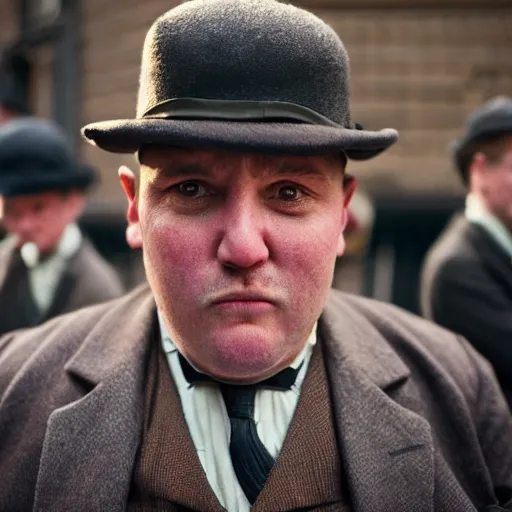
128,135
13,185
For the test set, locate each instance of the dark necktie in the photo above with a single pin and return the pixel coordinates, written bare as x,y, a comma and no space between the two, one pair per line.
251,461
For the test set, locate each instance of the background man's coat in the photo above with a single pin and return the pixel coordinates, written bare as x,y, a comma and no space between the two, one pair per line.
87,279
421,424
467,288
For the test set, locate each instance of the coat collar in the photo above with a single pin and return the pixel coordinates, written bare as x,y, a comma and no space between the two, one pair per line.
99,434
354,341
385,447
492,254
476,213
131,320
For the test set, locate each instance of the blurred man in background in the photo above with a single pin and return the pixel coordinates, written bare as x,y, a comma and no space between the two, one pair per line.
467,277
46,266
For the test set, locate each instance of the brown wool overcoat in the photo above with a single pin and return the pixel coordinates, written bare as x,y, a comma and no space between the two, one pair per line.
421,424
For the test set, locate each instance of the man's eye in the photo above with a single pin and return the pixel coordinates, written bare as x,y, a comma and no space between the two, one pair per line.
289,193
191,189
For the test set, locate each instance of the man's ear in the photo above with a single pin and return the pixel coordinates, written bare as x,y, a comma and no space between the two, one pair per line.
476,174
128,182
349,187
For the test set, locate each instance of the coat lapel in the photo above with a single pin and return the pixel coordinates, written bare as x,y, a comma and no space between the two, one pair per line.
493,255
98,435
385,448
168,473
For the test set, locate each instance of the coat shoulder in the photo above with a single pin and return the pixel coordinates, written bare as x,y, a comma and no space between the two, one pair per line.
417,342
98,278
453,248
59,336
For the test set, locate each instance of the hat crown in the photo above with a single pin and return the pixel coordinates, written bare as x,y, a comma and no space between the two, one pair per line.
35,155
494,116
34,142
249,50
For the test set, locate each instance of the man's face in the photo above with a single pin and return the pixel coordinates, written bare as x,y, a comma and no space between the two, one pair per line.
497,186
239,251
40,218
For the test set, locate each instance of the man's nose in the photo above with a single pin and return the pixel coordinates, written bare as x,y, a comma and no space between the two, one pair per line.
242,244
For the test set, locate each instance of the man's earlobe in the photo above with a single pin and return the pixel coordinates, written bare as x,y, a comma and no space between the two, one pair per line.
349,187
133,232
133,236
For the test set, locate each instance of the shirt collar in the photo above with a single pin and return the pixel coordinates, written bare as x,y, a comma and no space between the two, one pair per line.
476,213
303,357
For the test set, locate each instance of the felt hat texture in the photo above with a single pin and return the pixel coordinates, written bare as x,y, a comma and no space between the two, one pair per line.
249,75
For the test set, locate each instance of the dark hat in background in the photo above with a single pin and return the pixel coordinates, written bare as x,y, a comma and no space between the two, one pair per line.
489,121
14,80
35,156
252,75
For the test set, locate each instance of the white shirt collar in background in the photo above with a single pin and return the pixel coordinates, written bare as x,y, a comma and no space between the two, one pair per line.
44,276
477,214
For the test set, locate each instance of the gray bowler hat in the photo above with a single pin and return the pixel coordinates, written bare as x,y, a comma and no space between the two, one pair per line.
249,75
490,120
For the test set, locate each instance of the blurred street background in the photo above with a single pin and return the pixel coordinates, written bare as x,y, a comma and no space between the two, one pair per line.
420,66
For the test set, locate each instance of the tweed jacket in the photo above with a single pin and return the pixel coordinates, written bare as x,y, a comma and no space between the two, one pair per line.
87,279
467,288
420,422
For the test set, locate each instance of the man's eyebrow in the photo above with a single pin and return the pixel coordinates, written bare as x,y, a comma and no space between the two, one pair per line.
306,170
177,171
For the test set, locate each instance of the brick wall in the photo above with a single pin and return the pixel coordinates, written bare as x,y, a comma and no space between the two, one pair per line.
8,21
422,72
418,70
41,59
113,34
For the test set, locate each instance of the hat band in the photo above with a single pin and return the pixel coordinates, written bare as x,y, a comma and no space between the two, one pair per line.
235,110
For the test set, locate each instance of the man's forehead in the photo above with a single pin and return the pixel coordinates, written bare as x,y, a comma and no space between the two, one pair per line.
212,160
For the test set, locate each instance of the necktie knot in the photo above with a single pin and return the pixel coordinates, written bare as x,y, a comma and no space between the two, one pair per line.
239,400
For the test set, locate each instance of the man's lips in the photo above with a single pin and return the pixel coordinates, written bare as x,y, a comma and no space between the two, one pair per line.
242,297
246,301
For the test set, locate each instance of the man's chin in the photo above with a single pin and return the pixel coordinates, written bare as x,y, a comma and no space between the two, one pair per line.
246,356
242,373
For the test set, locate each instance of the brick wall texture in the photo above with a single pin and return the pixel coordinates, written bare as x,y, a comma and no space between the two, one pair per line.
8,20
